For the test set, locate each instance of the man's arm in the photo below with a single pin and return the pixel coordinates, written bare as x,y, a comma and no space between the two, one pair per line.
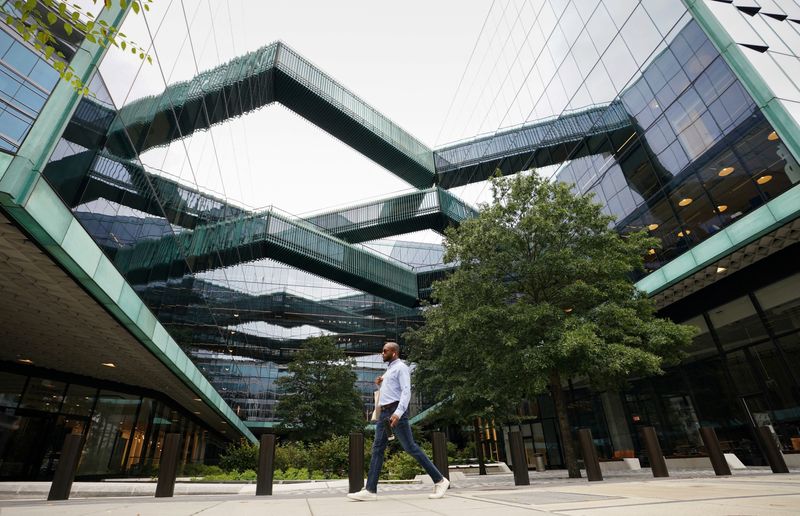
404,377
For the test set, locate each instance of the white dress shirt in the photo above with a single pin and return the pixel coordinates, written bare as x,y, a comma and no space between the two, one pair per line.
396,386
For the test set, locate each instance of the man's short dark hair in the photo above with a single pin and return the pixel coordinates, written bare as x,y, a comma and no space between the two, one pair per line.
393,345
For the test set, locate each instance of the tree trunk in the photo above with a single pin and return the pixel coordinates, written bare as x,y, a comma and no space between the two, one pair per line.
563,425
479,448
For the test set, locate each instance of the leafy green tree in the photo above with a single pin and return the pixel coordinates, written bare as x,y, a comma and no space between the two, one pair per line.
43,22
543,292
321,399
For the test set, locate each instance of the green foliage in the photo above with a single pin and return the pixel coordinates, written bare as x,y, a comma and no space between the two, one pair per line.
543,290
227,476
291,454
38,23
330,456
240,456
320,398
200,470
402,466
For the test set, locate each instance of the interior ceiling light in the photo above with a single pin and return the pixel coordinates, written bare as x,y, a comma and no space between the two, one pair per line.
721,269
764,179
653,226
24,360
722,207
236,315
685,232
686,201
109,364
651,251
726,171
772,136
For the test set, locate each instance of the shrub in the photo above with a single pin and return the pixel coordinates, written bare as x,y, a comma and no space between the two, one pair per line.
330,456
240,457
200,470
291,455
401,466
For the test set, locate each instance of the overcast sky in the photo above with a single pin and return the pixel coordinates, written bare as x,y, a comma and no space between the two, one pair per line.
405,59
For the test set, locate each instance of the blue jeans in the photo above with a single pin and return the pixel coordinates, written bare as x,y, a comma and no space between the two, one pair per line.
403,433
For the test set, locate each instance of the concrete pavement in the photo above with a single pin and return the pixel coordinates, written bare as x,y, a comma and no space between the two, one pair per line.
755,493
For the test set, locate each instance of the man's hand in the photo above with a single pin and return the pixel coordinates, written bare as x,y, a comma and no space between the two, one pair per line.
393,420
379,380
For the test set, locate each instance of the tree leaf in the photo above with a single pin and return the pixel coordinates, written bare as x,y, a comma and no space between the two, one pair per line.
135,6
52,18
48,52
68,28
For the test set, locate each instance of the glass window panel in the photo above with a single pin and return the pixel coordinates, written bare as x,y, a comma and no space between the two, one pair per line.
737,323
20,58
735,23
781,304
620,10
43,394
641,35
700,136
664,14
11,385
714,80
585,53
685,110
109,434
620,63
79,400
599,28
673,158
660,135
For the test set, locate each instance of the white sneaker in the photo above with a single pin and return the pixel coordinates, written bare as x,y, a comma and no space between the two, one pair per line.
363,496
439,488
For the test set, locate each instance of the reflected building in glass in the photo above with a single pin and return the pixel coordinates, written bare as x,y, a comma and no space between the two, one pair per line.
681,118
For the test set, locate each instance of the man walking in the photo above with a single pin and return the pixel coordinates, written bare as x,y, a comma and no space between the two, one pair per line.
395,396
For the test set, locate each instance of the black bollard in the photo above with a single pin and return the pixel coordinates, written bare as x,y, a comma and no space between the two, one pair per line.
440,454
168,466
589,453
711,443
773,454
356,469
67,466
657,463
266,465
520,463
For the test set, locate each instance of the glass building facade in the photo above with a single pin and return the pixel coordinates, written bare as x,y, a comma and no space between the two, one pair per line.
645,104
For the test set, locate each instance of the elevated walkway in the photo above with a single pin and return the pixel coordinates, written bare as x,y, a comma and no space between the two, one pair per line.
274,73
537,144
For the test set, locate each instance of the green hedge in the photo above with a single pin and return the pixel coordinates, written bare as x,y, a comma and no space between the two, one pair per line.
325,459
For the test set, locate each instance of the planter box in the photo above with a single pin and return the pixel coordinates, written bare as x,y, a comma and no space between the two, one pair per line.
702,462
620,465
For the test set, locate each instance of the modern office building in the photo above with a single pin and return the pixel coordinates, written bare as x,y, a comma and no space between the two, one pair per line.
134,303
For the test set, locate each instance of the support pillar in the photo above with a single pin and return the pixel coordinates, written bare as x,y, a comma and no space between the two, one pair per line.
771,451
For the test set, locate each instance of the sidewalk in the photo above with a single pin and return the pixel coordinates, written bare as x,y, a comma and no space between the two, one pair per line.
753,493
